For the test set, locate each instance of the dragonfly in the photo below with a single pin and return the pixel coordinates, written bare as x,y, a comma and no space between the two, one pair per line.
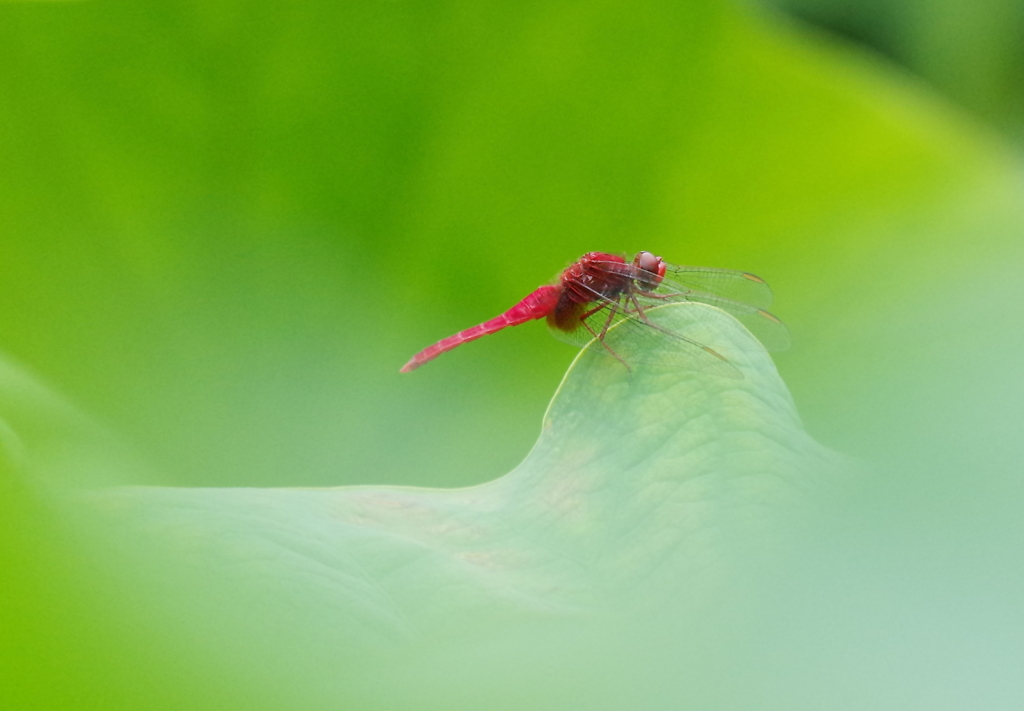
609,298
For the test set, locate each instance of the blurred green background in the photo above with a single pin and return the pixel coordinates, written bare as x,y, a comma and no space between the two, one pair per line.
225,226
969,51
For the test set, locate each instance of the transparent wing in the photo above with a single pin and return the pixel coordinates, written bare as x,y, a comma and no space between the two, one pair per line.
741,287
765,326
715,287
736,286
634,339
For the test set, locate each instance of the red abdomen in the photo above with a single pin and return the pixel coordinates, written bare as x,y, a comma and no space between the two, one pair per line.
537,305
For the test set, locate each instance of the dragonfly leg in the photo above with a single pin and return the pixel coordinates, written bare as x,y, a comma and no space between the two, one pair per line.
643,316
639,310
608,321
604,330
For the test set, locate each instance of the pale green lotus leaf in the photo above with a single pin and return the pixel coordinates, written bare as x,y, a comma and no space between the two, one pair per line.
651,487
640,476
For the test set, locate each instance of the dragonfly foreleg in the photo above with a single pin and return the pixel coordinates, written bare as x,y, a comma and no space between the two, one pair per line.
643,317
639,309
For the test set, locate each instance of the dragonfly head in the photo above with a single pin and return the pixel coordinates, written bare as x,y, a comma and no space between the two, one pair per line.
653,266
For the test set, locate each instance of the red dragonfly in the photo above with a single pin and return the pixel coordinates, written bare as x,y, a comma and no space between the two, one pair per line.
604,294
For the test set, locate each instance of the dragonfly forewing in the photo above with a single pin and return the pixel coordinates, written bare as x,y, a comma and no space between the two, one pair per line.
742,287
766,327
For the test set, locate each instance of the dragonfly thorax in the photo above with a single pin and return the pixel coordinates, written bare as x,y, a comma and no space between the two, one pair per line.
596,275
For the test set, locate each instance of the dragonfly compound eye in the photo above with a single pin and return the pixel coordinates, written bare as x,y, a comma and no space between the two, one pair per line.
653,264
